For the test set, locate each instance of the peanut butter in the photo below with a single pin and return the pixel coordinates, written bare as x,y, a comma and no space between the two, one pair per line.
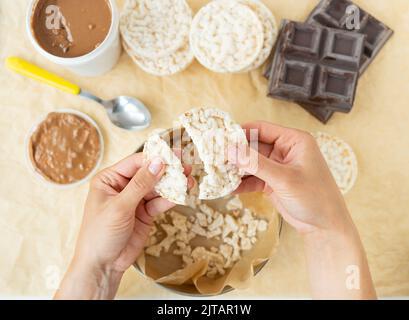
65,148
71,28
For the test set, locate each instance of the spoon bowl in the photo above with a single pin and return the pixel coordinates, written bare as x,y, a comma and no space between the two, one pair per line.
125,112
128,113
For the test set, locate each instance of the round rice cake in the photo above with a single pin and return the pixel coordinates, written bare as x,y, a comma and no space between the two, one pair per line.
164,66
341,160
173,184
155,28
270,31
226,36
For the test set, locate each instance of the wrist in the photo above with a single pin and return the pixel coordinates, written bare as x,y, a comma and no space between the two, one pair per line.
84,281
335,237
334,222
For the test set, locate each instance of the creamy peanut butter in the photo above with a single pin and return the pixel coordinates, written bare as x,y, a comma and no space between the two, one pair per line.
65,148
71,28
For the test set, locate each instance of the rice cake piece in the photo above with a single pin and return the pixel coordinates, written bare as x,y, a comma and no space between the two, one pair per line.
212,131
173,185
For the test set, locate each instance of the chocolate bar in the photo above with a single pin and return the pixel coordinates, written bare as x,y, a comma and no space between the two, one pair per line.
316,65
334,14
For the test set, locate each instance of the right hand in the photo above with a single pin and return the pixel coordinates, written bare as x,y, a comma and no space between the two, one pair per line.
291,170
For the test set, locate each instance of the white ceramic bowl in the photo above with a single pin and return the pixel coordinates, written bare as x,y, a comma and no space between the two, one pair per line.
95,63
39,176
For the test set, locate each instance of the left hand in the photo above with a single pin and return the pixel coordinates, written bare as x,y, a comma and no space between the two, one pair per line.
119,214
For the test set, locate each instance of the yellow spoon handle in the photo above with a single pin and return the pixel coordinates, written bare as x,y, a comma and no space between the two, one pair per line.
29,70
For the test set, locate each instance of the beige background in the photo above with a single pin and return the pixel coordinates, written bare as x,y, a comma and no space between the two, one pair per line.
38,225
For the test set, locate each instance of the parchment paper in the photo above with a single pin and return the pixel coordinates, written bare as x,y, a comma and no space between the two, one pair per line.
168,269
38,225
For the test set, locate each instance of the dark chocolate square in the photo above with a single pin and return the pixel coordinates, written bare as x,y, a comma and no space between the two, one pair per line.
321,69
305,41
343,49
295,75
333,14
373,31
337,85
343,45
337,9
294,78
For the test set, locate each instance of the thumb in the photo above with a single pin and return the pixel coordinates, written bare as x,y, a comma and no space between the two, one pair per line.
256,164
142,183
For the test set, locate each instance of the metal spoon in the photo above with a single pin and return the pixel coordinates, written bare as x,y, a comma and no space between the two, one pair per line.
125,112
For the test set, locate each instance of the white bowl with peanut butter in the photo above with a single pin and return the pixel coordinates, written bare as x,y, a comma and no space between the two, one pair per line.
82,35
65,148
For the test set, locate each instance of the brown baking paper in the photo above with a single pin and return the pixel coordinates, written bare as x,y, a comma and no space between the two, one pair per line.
39,225
167,269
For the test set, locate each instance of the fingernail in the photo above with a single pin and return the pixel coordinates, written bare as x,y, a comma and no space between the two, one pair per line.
156,166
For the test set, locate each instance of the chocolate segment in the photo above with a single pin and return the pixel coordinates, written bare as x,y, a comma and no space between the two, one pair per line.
316,65
334,14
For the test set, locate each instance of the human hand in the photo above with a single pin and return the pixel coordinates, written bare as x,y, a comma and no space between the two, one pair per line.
291,170
119,213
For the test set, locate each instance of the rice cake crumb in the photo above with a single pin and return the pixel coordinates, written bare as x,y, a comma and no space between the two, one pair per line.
236,234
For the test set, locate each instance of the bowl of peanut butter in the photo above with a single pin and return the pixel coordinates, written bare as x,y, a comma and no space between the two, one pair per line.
82,35
65,148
